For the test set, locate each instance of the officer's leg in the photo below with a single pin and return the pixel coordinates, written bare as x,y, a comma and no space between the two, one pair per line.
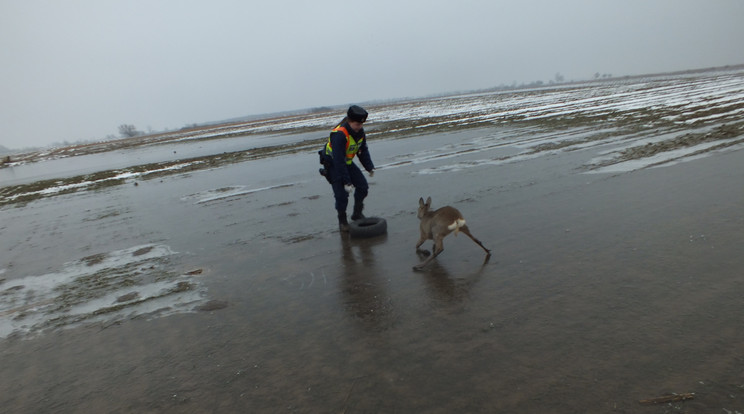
361,188
342,200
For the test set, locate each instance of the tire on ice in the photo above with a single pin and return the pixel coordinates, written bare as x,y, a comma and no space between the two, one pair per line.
368,227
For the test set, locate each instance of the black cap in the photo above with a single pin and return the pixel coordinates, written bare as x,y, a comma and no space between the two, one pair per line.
356,113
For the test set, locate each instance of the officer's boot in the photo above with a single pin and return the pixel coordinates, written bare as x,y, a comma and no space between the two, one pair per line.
357,215
343,224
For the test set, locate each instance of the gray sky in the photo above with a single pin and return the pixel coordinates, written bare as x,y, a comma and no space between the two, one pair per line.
76,70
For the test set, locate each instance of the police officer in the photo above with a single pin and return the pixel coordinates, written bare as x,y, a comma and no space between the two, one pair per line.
346,141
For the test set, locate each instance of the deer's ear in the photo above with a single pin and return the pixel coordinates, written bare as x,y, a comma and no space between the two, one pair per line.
421,202
428,201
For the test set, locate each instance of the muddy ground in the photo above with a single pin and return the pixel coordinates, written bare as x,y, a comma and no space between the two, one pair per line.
614,278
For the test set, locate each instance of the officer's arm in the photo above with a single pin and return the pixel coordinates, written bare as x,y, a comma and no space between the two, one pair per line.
364,157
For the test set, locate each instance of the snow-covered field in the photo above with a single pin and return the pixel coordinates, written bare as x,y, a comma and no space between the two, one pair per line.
615,117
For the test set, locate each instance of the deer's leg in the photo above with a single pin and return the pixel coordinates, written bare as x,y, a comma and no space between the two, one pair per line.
428,259
421,241
465,230
438,248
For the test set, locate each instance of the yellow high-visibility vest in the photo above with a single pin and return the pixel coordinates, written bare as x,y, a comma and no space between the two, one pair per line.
352,145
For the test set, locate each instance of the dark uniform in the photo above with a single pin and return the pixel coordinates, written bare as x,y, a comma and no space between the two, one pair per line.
343,144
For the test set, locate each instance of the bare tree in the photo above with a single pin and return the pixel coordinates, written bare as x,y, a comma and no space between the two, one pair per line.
128,130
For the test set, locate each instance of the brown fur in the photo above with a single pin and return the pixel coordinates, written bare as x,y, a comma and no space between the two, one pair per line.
436,225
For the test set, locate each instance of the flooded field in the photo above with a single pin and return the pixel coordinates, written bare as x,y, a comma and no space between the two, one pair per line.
202,271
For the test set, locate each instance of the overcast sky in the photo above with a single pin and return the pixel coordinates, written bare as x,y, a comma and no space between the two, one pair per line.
76,70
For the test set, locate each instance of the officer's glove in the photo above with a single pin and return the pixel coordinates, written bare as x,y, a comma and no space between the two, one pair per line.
349,188
371,173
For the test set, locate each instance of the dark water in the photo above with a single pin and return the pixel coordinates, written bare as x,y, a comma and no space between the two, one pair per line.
602,290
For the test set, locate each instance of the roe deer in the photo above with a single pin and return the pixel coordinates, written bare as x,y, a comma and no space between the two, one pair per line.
435,225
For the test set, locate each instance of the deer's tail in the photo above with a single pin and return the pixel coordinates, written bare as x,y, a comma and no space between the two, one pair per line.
455,226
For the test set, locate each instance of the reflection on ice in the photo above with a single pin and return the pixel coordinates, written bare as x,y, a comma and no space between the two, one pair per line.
664,159
102,288
228,192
